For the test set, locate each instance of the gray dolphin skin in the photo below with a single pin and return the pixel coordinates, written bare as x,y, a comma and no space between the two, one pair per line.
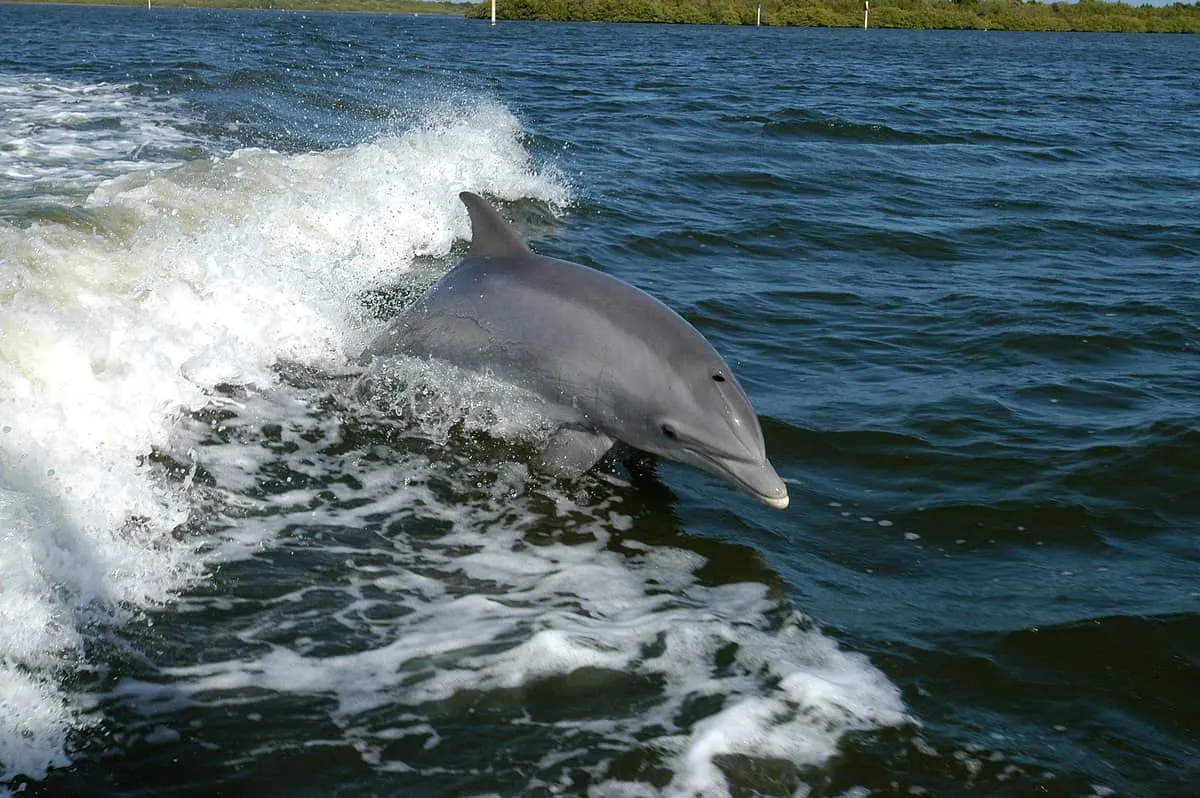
611,362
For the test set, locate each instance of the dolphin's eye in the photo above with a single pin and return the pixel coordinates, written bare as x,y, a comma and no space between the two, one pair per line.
669,431
718,377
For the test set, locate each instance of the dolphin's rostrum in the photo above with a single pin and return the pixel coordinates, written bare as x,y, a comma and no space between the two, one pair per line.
610,361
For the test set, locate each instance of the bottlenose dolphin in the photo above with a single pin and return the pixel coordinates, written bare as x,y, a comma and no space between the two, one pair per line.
611,362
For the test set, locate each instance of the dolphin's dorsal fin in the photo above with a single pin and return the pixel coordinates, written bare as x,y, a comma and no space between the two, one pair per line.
491,236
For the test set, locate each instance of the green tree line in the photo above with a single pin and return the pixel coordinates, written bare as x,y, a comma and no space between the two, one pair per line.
1029,15
1085,15
369,6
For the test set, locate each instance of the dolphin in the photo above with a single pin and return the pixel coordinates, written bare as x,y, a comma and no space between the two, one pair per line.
611,362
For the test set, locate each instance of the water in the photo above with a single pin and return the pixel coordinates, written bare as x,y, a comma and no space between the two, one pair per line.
954,271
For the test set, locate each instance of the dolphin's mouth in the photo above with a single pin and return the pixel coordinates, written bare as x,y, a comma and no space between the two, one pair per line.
756,478
778,502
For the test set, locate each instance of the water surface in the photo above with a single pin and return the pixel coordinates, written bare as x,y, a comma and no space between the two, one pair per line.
954,271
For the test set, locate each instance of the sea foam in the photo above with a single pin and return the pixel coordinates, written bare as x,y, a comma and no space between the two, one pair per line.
428,608
121,311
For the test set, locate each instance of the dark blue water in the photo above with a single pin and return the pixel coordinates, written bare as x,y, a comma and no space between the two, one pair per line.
955,271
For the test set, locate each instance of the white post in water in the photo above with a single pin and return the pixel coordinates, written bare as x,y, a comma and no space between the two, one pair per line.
493,12
866,12
757,19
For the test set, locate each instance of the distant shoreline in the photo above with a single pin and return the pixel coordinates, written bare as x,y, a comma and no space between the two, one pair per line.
1095,16
344,6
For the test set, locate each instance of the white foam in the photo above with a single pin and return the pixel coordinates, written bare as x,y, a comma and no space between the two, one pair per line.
439,397
66,136
490,604
211,272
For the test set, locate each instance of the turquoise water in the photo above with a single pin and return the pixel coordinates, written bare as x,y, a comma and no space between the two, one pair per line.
956,273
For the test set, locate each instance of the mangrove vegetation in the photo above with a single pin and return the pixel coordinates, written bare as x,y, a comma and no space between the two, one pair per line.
1025,15
1085,15
366,6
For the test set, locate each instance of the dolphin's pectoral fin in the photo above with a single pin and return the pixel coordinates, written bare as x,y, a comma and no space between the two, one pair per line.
571,451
